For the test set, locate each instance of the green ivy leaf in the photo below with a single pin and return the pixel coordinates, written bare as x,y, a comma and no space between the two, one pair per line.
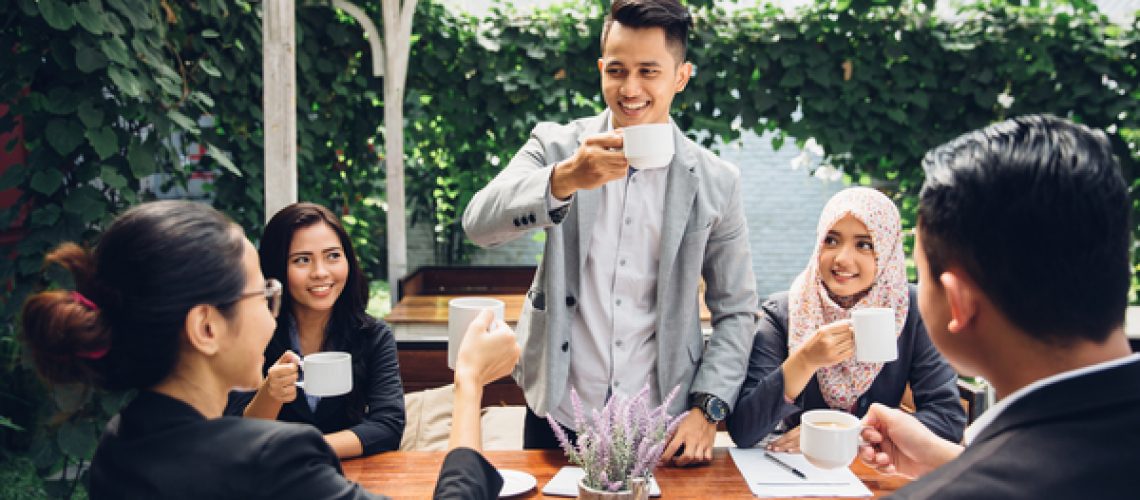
104,140
57,14
90,17
112,178
126,81
90,115
89,59
46,216
208,33
116,50
77,440
182,121
64,135
140,156
223,159
209,68
87,203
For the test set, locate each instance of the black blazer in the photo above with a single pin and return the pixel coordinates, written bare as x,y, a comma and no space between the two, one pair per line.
761,404
160,447
1074,439
374,411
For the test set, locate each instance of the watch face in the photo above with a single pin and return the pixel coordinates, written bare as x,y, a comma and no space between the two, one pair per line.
716,409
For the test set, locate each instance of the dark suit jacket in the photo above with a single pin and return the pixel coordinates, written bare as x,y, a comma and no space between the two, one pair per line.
932,381
160,447
1078,438
375,409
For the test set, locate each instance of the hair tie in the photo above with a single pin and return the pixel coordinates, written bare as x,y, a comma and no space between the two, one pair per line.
94,354
84,301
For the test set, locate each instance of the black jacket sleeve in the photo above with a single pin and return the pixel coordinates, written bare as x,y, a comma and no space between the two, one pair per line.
384,418
761,404
466,475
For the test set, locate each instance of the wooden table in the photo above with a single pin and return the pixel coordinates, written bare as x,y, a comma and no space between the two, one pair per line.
412,474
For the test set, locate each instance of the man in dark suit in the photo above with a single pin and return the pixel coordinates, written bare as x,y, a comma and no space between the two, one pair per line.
1022,252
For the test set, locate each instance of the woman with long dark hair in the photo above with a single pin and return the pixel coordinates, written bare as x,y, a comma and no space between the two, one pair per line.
306,248
172,303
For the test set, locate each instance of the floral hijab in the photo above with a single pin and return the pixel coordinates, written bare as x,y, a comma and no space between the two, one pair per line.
810,306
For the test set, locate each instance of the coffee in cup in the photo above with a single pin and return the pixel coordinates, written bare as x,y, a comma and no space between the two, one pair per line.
460,313
326,374
829,439
875,339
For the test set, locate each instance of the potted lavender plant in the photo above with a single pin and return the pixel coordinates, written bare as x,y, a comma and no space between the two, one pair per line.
618,446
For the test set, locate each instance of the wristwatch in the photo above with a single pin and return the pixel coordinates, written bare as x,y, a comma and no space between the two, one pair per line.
714,408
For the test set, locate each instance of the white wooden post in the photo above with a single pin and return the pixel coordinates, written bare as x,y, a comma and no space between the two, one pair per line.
279,103
398,15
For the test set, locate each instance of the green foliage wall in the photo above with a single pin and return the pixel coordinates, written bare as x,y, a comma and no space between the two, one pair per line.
109,91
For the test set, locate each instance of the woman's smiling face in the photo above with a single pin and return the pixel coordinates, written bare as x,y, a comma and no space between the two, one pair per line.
847,258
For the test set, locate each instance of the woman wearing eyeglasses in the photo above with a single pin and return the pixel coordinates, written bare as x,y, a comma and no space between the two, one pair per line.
323,309
172,303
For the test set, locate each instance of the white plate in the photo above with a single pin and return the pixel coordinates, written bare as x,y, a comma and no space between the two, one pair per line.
516,482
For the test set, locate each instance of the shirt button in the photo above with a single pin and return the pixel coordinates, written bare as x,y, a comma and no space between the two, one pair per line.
619,343
570,301
621,262
617,383
628,220
617,302
565,346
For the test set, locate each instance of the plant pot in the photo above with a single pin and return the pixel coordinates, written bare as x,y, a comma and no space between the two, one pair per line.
638,491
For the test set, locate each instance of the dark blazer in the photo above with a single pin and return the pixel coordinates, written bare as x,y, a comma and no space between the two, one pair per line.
160,447
932,381
1074,439
374,411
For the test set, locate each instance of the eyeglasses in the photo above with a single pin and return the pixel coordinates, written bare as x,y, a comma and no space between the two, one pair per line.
272,294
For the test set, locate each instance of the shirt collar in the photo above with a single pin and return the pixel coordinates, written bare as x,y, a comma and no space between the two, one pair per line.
987,417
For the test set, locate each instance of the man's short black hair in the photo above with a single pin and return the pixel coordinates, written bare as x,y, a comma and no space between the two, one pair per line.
668,15
1035,210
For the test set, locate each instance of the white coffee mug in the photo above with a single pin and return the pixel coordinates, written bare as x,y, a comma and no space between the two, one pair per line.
875,339
326,374
460,313
829,439
648,146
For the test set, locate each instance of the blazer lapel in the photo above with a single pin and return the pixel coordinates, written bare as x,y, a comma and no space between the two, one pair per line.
586,202
680,191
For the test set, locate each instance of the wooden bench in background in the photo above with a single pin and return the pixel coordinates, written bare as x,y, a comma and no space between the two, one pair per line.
419,321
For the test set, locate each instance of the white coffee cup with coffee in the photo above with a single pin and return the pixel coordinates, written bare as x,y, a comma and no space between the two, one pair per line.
326,374
648,146
460,313
875,340
829,439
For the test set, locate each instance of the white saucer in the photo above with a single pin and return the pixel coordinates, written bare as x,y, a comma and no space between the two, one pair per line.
516,482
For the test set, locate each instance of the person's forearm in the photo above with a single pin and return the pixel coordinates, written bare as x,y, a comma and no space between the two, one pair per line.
262,406
345,443
465,415
797,374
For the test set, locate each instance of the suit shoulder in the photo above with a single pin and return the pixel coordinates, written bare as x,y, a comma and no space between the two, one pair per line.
715,164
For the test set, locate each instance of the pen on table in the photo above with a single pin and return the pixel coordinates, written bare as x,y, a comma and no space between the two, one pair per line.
785,466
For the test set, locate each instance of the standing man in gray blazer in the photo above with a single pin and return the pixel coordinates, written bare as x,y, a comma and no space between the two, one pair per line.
614,303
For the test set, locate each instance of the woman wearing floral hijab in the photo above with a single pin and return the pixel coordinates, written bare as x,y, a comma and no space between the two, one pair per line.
858,262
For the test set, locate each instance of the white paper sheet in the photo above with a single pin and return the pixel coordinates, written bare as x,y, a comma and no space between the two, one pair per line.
565,483
767,479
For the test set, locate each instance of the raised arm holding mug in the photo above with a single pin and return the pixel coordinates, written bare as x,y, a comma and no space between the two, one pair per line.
807,353
1022,252
630,231
173,303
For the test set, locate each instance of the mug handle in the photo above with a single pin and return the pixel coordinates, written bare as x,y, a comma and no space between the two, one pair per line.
300,365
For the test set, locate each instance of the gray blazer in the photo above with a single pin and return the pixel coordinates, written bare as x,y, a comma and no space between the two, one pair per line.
703,234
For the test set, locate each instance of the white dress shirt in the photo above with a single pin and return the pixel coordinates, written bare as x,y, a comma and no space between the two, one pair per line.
613,334
992,414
